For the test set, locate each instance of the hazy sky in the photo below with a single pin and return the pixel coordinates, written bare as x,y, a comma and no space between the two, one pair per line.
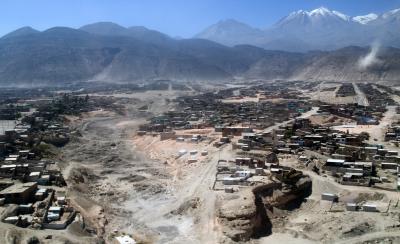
174,17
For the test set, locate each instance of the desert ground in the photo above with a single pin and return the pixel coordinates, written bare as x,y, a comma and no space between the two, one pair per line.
138,185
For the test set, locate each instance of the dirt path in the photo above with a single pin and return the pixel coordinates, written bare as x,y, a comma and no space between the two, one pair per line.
361,98
388,118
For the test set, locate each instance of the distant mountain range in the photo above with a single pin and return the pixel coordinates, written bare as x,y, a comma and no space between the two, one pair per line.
319,29
108,52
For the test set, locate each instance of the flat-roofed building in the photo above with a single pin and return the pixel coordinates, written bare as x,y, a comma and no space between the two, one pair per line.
367,207
329,197
334,162
351,207
19,192
125,239
389,166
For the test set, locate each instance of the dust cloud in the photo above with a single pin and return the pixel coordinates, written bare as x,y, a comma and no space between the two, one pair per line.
371,58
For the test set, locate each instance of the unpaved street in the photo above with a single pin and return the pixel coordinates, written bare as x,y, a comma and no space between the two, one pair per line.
361,98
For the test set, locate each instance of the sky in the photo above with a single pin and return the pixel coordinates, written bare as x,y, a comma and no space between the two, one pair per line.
183,18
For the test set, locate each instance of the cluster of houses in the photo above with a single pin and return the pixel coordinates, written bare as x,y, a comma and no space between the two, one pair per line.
27,176
31,205
258,168
290,90
290,138
12,111
393,132
207,110
376,98
363,115
349,158
25,185
345,90
350,206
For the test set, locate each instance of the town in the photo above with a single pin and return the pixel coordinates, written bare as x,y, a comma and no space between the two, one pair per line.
258,157
271,147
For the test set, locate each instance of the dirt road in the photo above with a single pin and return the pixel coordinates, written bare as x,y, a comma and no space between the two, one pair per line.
361,98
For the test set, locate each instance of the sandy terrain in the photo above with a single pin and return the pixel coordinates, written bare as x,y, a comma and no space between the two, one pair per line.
329,96
242,99
318,221
361,98
376,132
140,185
143,189
329,120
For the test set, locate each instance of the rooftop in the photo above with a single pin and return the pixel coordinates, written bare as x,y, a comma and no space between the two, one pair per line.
125,239
18,188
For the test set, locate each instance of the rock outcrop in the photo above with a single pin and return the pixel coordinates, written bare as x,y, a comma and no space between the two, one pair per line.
247,214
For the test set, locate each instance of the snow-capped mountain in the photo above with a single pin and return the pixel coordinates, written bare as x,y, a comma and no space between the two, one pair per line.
391,13
318,20
365,19
316,16
302,30
319,29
